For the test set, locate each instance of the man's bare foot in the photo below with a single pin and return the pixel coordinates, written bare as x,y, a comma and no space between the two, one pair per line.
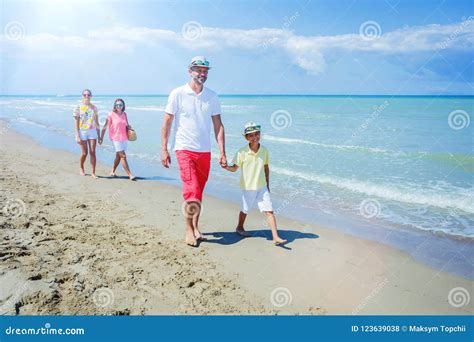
242,232
190,239
81,172
198,235
94,176
278,241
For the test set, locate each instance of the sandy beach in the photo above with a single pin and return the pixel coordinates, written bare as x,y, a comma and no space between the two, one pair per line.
75,245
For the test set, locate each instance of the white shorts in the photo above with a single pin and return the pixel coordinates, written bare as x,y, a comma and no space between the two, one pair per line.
262,197
120,145
87,134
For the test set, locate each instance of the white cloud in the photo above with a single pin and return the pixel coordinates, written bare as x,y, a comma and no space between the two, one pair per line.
307,52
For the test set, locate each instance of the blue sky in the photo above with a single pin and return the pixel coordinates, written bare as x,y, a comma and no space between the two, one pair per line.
262,47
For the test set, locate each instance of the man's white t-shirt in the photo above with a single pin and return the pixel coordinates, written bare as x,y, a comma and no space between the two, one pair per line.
192,115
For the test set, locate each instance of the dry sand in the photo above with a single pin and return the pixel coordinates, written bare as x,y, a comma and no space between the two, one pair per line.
75,245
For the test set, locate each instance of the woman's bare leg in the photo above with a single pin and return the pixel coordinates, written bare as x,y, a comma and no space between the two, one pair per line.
92,144
123,159
116,163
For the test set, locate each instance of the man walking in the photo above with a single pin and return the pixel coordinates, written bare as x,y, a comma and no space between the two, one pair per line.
193,107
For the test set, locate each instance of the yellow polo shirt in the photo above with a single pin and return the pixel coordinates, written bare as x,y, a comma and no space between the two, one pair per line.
252,175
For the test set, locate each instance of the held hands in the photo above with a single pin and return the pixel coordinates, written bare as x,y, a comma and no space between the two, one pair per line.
165,158
223,161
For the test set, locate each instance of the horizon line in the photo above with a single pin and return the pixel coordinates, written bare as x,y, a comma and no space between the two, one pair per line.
316,95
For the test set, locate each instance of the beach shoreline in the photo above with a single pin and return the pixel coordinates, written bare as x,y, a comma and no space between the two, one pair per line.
77,235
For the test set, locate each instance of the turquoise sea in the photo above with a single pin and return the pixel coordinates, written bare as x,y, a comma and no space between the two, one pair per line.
396,169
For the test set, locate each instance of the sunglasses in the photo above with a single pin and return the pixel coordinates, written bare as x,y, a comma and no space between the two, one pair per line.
87,95
118,105
200,63
252,128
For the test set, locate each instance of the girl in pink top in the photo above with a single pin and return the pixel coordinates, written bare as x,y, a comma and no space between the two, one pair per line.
117,123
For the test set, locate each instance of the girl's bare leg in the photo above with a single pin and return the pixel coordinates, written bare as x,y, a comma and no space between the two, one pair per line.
83,157
92,144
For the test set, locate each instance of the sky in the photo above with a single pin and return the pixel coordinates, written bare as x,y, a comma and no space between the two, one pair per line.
383,47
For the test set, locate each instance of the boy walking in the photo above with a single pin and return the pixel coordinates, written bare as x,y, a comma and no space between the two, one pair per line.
254,180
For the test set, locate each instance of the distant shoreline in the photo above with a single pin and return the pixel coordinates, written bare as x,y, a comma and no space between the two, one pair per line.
246,95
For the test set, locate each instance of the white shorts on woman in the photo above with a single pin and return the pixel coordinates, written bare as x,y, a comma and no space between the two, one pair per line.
120,146
87,134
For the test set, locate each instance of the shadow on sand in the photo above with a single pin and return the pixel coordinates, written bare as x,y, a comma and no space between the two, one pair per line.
230,238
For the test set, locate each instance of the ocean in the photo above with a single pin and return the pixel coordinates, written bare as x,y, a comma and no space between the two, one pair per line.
395,169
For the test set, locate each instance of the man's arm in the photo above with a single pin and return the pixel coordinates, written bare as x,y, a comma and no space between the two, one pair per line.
220,137
165,134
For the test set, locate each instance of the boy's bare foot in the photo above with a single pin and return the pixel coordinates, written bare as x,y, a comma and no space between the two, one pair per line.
190,239
132,178
81,172
94,176
113,174
279,241
242,232
198,235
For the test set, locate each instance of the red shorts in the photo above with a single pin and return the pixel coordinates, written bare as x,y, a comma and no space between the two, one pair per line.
194,170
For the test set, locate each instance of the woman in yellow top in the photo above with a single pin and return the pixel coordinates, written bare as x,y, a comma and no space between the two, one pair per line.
87,130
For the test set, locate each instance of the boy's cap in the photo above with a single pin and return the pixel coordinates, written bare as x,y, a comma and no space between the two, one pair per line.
199,61
251,127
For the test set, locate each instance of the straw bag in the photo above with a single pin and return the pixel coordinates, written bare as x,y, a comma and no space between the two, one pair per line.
131,133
